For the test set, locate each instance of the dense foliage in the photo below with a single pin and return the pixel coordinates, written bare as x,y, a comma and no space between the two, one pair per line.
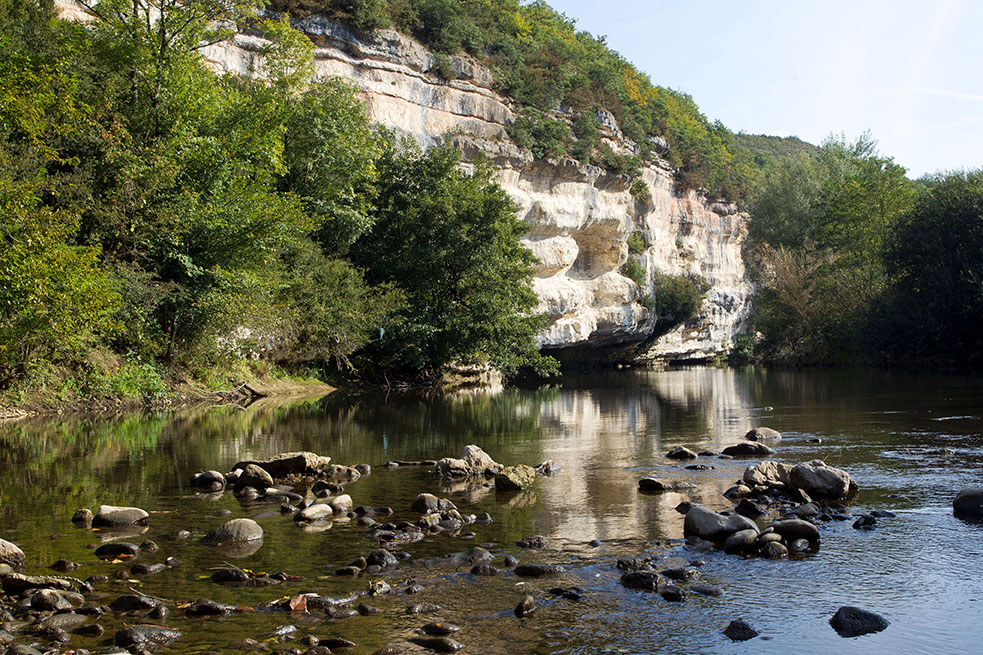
563,77
159,217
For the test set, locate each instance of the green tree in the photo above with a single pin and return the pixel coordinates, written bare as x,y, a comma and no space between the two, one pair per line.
449,239
934,256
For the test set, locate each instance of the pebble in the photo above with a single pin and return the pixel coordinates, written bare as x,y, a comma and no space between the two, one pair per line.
525,607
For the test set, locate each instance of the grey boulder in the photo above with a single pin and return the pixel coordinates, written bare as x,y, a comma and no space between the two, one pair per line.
514,478
705,524
968,503
748,449
757,434
287,464
236,531
110,515
11,554
820,481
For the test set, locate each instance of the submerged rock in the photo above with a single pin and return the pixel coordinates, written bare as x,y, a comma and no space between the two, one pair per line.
146,635
852,622
681,452
439,644
117,549
525,607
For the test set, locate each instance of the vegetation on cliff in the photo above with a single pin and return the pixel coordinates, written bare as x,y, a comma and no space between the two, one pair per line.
159,219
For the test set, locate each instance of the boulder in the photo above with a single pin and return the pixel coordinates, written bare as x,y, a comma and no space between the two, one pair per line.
109,516
208,481
341,474
681,452
341,505
740,541
750,509
514,478
740,630
820,481
138,636
236,531
706,524
315,513
968,503
11,554
767,472
793,529
478,460
253,475
472,463
757,434
288,464
748,449
736,523
645,580
853,622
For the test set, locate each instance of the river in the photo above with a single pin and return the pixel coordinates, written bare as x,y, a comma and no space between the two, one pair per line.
922,570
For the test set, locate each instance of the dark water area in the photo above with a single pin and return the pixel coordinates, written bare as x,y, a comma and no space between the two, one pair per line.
922,570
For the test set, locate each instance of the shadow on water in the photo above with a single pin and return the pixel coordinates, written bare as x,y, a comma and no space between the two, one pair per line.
910,440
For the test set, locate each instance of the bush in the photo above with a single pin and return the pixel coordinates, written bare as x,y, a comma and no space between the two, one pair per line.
634,272
443,67
677,298
636,243
545,137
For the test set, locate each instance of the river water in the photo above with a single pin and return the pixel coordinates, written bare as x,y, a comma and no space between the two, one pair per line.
922,570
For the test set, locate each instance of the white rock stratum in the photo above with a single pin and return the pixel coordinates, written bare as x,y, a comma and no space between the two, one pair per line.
579,216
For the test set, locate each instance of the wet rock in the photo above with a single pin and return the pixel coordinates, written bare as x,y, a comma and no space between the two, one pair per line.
423,608
699,467
49,600
737,491
65,622
438,644
538,570
767,472
707,453
110,515
650,484
91,630
706,590
672,593
805,511
740,630
740,541
337,642
289,464
680,574
382,558
318,650
22,649
363,469
820,481
252,475
968,503
315,513
428,504
548,469
132,603
440,629
229,574
236,531
146,635
750,509
485,570
510,561
793,529
323,489
799,546
341,474
681,452
748,449
684,507
865,522
705,523
757,434
883,514
206,607
645,580
473,463
149,547
83,517
391,650
11,554
525,607
594,543
736,522
117,550
367,510
284,632
515,478
774,550
208,481
367,610
852,622
532,542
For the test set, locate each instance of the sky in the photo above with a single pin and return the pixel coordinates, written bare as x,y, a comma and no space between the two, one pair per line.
910,73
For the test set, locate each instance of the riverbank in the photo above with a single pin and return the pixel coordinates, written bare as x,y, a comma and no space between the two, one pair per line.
177,393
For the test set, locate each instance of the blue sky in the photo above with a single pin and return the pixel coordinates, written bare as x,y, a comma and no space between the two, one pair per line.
909,72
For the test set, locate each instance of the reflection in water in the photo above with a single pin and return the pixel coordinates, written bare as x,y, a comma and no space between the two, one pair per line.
605,431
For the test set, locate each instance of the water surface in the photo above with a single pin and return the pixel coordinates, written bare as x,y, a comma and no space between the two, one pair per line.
922,570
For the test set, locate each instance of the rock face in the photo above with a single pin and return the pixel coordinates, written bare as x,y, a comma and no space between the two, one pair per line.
968,503
579,216
820,481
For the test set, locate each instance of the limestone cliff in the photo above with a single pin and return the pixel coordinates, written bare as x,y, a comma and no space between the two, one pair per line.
579,216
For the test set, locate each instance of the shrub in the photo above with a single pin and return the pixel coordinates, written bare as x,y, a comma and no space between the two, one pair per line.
636,244
634,272
677,298
542,135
